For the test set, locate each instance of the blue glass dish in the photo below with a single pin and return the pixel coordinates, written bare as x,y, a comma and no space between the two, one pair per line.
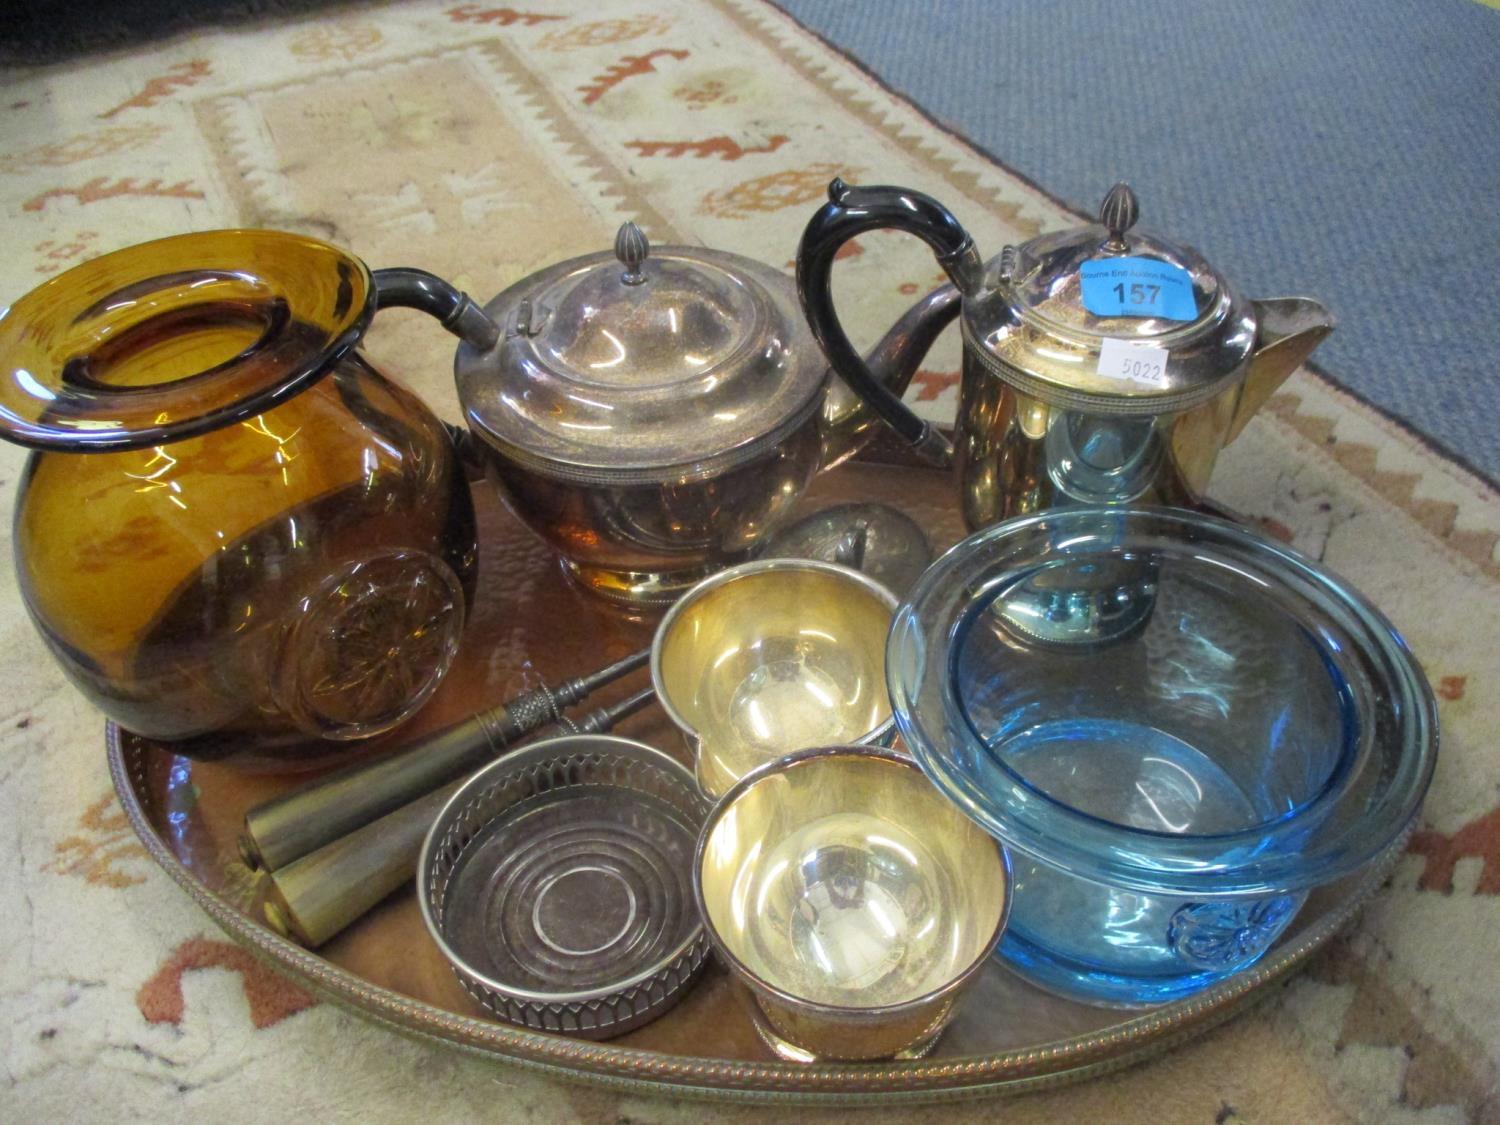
1176,726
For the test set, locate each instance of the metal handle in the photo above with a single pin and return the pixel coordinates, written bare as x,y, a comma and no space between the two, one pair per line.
852,211
282,830
319,895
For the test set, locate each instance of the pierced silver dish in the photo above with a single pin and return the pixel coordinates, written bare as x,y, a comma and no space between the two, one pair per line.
558,884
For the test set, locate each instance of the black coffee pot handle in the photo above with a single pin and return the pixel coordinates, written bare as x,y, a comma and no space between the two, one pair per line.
852,211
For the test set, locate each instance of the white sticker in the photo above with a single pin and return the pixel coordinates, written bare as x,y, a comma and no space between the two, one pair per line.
1133,362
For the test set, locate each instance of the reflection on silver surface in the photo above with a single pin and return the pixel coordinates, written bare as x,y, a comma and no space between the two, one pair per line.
851,911
652,413
773,656
1101,459
1069,395
851,898
624,364
874,538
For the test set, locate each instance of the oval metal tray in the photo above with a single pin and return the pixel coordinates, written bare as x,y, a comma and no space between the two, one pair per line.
530,625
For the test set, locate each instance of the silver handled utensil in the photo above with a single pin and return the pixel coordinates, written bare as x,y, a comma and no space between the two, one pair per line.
284,829
315,897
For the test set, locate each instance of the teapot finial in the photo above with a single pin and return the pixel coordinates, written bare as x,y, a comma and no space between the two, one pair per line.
1118,213
632,247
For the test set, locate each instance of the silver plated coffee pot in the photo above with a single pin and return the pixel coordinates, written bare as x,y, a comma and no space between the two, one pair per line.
1101,364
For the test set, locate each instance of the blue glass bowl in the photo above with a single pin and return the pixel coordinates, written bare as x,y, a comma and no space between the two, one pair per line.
1177,727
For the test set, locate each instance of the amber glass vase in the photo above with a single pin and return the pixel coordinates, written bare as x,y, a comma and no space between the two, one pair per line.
234,531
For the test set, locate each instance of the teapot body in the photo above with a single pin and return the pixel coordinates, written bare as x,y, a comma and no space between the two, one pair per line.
642,542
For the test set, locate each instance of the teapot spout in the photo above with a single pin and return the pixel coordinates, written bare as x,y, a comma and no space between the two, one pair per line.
458,312
1289,329
847,423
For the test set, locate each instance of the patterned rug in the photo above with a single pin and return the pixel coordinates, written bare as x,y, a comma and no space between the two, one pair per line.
482,143
1294,142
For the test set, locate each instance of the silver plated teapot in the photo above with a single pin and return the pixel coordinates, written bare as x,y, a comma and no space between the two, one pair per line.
654,413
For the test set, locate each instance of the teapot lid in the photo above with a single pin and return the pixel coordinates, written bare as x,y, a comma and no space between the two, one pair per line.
643,363
1104,317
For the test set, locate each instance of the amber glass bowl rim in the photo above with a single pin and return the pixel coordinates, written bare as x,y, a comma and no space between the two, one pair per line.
43,410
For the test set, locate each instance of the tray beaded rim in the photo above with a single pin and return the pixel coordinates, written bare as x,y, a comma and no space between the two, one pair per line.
1134,1039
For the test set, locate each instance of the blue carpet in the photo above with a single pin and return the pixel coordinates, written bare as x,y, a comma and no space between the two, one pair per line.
1349,151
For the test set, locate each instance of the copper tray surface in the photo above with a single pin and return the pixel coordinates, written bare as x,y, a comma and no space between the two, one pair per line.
530,625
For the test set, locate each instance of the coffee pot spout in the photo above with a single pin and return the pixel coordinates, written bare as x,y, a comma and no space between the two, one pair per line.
1289,328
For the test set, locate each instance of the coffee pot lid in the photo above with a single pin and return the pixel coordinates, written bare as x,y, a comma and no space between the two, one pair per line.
1106,317
642,363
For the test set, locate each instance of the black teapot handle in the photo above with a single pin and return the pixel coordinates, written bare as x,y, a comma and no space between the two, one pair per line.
852,211
407,288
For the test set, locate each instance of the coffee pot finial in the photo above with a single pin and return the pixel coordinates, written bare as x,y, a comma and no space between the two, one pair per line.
1118,213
